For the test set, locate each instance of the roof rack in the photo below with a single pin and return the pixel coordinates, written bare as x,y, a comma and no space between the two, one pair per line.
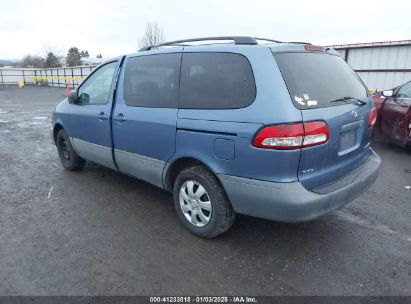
236,39
299,42
265,39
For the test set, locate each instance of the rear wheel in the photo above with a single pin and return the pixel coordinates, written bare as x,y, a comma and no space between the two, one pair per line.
68,157
201,202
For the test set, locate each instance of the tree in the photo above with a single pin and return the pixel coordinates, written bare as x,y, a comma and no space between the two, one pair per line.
84,54
30,61
153,35
73,57
99,56
50,47
52,61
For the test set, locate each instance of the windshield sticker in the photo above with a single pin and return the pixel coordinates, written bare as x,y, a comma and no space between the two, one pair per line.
299,100
306,97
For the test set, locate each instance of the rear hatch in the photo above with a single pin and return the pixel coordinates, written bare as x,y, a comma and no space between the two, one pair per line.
325,88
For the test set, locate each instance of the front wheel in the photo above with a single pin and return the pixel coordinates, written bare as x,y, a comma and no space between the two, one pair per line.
68,157
201,203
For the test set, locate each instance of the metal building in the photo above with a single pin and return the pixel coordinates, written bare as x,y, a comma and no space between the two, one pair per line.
381,65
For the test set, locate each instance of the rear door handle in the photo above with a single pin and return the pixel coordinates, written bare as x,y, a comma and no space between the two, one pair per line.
102,116
120,118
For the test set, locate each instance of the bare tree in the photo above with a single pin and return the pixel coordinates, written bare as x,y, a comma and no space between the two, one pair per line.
31,61
52,55
153,36
50,47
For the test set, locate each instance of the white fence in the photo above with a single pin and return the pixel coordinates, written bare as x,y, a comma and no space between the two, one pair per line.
54,77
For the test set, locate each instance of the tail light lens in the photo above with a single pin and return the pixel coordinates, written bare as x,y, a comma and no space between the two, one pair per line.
315,133
292,136
373,117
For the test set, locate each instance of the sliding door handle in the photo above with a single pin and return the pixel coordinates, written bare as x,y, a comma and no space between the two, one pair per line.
120,118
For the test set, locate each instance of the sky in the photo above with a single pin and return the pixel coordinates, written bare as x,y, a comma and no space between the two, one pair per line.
113,28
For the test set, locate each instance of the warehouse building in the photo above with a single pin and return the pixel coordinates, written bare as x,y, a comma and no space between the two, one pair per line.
381,65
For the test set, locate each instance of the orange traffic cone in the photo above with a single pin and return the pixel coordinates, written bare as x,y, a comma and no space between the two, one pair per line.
67,88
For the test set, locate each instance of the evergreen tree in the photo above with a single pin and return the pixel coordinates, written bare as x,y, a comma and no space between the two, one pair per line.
52,61
73,57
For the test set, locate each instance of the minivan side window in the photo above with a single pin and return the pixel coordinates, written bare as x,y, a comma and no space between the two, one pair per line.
216,81
152,81
96,89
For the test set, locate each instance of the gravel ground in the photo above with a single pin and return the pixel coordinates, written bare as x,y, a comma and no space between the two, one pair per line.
97,232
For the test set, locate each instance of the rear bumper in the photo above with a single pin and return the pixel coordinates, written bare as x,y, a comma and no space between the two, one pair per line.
291,202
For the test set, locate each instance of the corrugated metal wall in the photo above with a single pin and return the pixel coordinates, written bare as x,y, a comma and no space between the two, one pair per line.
380,67
384,80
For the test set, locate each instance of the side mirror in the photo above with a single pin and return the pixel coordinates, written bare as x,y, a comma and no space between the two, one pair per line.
84,98
72,98
388,93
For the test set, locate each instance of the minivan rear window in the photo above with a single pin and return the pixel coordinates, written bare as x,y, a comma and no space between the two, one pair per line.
315,79
216,81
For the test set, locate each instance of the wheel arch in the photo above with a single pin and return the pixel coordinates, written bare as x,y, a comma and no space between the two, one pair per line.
172,169
57,127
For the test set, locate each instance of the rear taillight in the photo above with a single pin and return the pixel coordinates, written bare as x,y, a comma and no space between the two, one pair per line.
373,117
292,136
315,133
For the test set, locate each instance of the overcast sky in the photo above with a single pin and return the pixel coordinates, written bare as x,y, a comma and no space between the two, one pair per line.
115,27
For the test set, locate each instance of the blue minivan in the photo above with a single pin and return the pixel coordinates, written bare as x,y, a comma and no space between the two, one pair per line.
270,129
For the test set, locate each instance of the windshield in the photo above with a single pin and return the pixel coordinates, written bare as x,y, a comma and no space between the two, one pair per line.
316,79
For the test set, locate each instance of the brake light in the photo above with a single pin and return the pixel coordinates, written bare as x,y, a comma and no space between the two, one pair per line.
313,48
292,136
373,117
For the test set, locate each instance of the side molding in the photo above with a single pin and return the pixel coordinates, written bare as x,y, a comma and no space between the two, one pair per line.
96,153
142,167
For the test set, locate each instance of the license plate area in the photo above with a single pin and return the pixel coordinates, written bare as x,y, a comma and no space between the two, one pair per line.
347,140
350,137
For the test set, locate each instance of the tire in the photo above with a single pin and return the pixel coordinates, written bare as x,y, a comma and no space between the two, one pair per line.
209,219
68,157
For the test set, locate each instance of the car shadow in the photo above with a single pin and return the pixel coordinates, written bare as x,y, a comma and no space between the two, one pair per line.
254,230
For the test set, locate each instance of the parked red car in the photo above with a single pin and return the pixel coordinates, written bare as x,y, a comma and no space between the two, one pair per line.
394,115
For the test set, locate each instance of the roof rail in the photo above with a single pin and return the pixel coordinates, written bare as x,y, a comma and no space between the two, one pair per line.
265,39
236,39
299,42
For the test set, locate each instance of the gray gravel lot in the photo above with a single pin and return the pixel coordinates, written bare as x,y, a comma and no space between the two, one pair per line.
97,232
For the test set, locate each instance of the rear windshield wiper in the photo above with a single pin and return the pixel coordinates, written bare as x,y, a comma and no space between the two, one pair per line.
346,98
